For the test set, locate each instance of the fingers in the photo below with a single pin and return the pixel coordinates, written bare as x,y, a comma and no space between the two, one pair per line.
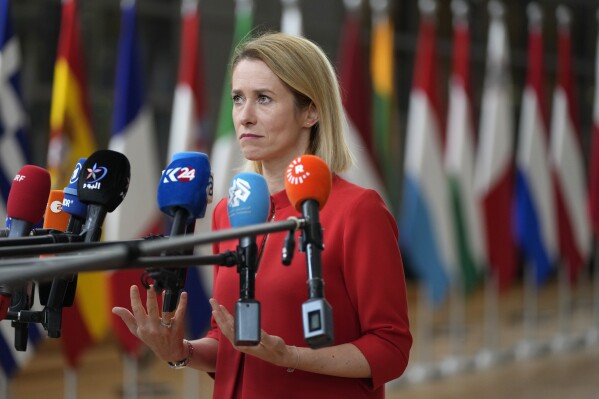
181,306
136,305
152,303
127,318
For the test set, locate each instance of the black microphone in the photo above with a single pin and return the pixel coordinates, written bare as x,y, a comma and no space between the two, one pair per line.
102,185
308,185
25,207
248,204
184,192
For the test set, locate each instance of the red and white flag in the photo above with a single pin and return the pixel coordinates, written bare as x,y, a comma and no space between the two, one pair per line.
494,172
567,160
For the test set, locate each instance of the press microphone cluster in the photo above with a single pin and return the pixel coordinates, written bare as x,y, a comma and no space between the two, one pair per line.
67,219
100,183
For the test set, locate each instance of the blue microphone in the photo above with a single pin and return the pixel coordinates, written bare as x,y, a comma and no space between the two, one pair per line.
71,203
186,187
184,192
248,204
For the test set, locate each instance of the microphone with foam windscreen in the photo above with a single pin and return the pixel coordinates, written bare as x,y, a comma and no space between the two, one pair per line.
248,204
184,192
27,199
102,185
308,185
25,207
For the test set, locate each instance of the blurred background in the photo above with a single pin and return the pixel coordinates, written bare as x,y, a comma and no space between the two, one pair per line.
475,120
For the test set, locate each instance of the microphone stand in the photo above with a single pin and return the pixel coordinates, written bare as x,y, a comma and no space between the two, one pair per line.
247,308
317,314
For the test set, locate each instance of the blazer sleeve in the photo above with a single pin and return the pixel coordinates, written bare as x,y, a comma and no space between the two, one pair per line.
376,284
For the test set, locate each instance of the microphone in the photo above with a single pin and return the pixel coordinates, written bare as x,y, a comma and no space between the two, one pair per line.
54,220
102,185
248,204
25,206
27,199
71,203
184,192
308,185
61,291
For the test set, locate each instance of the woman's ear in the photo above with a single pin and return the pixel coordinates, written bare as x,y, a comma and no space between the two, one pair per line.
311,116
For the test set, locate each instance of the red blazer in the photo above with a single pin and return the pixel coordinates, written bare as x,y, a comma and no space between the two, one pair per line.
364,283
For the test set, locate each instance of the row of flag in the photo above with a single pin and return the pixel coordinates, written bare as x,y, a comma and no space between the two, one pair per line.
486,204
89,320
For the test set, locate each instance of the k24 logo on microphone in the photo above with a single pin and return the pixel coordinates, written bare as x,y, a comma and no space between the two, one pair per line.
178,174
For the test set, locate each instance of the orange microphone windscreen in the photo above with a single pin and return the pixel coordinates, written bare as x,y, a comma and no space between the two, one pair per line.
55,218
308,178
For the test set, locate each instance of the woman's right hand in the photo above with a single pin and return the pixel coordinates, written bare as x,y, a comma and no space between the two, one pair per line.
164,339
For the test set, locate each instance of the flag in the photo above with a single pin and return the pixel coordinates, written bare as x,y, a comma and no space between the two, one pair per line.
355,89
189,104
291,18
71,138
424,220
568,162
494,172
186,134
14,153
226,154
593,203
534,200
459,162
133,136
14,143
382,67
71,135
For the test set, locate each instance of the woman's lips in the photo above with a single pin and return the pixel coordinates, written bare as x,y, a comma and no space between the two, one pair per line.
248,136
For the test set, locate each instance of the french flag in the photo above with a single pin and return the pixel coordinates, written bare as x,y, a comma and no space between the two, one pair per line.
132,135
535,206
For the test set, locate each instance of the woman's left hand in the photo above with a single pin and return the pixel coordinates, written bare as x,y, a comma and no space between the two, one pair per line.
271,347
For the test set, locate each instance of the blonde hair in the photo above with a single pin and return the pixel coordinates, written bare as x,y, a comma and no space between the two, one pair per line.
305,69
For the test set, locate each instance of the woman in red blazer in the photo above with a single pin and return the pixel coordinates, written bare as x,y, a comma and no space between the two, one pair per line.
287,103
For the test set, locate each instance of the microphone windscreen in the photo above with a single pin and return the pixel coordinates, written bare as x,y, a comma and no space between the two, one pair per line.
104,179
186,183
249,200
54,217
28,194
308,178
71,203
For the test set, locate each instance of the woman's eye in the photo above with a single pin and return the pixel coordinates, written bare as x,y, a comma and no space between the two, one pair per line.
236,99
263,99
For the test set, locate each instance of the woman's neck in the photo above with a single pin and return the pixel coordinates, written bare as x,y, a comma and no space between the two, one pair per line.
274,176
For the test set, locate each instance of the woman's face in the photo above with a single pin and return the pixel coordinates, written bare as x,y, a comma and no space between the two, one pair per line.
268,125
